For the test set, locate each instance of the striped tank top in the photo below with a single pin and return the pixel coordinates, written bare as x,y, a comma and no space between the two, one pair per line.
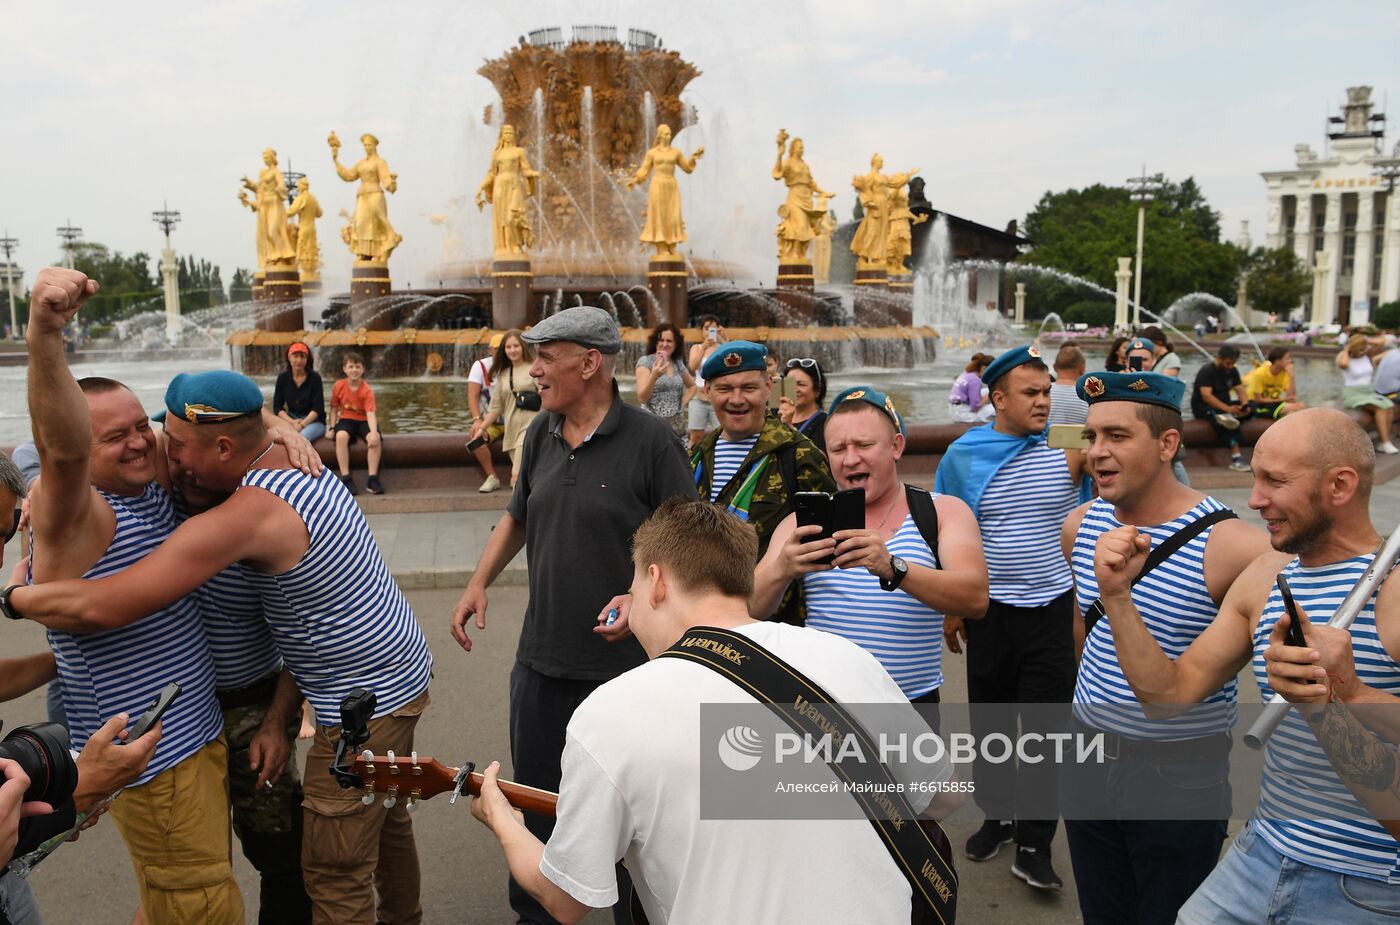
905,634
338,617
239,638
1176,608
122,670
1022,510
729,456
1305,811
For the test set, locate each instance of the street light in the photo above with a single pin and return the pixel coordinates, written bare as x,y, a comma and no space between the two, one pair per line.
291,177
167,219
70,235
1143,190
9,245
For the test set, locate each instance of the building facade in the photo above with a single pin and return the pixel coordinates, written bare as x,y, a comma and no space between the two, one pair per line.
1340,215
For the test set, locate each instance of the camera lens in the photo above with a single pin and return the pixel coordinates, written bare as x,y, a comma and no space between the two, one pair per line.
42,750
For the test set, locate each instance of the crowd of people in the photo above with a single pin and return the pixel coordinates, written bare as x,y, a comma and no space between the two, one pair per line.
668,569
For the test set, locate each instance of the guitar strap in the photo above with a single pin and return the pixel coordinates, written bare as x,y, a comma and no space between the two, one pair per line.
1162,553
774,682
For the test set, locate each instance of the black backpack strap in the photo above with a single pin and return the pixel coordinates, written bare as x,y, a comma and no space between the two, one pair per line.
920,848
1162,553
787,468
925,514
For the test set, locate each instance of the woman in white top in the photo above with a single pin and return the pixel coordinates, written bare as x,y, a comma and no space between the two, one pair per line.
1354,360
664,383
515,398
702,415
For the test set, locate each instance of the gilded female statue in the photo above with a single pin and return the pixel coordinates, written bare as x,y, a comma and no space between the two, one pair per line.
901,241
274,244
372,238
871,241
799,219
308,250
664,227
509,180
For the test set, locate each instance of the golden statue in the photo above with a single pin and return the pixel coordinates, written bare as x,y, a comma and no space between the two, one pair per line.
372,238
664,227
821,244
799,218
274,245
307,209
901,240
871,241
508,182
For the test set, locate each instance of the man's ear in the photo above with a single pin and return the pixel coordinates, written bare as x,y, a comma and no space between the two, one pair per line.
657,586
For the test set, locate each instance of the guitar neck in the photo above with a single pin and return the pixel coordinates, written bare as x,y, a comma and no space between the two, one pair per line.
528,799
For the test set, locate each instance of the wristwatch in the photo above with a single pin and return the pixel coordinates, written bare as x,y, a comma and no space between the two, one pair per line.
898,566
5,608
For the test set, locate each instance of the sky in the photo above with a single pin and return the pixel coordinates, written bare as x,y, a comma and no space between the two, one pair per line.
113,109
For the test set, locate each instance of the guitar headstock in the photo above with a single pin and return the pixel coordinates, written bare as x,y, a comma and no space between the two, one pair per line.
411,778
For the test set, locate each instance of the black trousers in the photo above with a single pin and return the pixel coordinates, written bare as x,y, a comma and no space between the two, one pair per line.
540,709
1019,655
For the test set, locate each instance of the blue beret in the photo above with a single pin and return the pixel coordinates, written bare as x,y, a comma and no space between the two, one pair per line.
212,397
734,357
1143,388
873,397
1141,343
1016,356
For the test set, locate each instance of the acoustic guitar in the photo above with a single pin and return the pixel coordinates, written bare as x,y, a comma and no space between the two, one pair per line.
414,779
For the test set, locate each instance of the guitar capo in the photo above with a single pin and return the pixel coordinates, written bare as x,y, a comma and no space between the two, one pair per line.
460,781
355,712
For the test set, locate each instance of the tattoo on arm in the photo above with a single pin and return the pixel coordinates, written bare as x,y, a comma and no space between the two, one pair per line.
1357,753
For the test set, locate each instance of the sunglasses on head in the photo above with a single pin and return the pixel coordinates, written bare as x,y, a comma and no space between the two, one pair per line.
14,528
804,362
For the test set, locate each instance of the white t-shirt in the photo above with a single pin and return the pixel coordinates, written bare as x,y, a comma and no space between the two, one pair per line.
481,375
631,790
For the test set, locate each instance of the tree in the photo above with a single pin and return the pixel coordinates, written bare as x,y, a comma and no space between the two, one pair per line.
126,281
1277,281
1082,232
240,288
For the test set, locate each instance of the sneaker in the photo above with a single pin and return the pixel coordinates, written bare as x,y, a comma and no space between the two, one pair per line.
1237,464
987,841
1228,421
375,488
1033,866
349,482
1388,448
491,484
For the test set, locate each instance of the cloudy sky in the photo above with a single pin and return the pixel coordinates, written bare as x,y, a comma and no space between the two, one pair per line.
112,108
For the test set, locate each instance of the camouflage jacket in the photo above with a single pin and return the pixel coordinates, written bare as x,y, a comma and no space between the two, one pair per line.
761,495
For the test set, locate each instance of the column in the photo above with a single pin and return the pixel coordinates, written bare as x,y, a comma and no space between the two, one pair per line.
1124,276
1390,257
1322,312
1302,228
1365,253
1020,304
170,280
1273,231
1332,246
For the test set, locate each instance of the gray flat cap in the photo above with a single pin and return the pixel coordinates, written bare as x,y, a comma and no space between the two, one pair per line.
583,325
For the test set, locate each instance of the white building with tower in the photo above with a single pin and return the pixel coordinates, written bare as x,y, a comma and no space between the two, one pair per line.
1339,214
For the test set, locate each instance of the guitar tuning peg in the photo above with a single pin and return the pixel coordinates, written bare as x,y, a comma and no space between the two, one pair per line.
389,756
415,759
391,797
368,757
412,805
368,798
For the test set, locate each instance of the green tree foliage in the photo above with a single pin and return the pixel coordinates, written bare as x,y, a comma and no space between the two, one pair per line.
1094,314
1277,281
1083,231
1387,316
200,285
127,282
240,288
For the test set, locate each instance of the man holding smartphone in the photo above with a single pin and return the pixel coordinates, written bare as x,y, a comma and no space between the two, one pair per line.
1129,864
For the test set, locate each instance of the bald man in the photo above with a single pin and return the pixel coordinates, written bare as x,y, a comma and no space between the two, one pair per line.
1314,849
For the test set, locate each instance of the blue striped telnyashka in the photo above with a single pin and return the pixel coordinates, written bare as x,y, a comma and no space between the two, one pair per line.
122,670
1022,510
905,634
1175,606
338,617
239,637
1305,811
729,456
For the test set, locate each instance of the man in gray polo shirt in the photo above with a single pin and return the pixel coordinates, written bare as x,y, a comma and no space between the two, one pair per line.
593,468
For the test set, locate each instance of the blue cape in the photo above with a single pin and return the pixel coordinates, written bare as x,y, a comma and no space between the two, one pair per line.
975,457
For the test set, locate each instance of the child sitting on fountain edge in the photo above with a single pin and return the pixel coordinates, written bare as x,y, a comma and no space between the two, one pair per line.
353,417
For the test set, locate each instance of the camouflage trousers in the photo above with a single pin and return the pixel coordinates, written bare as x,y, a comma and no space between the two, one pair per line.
268,821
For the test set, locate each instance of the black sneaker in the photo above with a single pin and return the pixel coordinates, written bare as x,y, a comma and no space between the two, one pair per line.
349,482
373,485
987,841
1033,866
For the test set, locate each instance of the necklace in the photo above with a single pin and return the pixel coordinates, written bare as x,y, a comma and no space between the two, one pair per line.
880,528
258,457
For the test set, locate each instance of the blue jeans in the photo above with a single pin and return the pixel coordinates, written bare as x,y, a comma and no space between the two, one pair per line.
17,904
1253,883
314,431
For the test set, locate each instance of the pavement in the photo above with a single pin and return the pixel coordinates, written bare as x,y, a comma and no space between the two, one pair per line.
432,555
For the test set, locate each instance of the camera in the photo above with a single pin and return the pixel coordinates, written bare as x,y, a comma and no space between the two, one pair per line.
41,749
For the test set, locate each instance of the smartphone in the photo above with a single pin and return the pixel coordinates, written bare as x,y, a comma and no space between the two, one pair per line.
474,445
1067,437
848,510
712,335
774,394
814,508
1135,364
155,711
789,388
1295,632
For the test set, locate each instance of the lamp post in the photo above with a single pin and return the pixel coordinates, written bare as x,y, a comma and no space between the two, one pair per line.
170,273
9,245
70,235
291,177
1142,189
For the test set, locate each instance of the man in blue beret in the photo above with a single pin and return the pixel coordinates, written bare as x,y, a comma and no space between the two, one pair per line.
1022,651
1141,835
335,613
752,464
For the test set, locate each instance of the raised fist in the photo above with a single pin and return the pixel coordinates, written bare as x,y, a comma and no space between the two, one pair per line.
1118,558
57,295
